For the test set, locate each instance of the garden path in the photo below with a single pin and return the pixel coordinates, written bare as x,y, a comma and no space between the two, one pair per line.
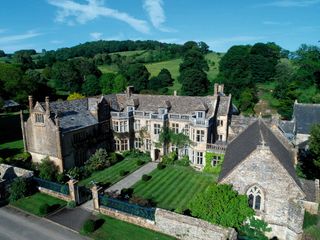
132,178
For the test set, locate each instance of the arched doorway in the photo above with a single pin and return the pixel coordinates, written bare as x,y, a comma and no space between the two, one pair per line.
157,155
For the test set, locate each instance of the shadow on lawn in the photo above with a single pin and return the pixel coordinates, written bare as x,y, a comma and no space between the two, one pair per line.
9,152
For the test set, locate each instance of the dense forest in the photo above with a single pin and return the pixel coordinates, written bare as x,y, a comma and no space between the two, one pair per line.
105,67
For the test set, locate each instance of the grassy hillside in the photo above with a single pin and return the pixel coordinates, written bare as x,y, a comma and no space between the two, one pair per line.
172,65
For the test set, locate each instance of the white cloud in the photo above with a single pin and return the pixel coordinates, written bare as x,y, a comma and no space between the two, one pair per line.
156,14
56,41
292,3
92,10
273,23
96,35
19,37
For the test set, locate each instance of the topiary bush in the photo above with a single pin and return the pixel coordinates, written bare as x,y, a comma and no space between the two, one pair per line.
123,173
88,226
140,162
145,177
161,166
126,192
44,209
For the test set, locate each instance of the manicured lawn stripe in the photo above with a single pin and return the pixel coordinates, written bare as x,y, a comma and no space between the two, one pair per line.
174,186
155,185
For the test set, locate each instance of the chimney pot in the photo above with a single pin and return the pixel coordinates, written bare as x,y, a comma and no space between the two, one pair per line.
129,91
47,100
30,98
175,93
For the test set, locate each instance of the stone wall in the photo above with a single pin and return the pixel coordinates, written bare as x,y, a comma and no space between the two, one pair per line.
189,228
311,207
129,218
9,172
55,194
176,225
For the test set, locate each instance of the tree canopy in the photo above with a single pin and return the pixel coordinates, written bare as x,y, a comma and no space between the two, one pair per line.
220,204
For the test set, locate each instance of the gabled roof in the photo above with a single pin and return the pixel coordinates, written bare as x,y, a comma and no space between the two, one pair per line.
72,114
256,134
305,115
177,104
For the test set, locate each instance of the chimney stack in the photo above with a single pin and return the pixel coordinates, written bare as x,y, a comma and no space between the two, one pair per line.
175,93
47,105
215,88
221,88
129,91
30,103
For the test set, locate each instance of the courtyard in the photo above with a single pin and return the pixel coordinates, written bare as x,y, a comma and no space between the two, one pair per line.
173,187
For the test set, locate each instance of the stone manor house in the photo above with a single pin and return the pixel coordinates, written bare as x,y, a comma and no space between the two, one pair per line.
70,131
253,154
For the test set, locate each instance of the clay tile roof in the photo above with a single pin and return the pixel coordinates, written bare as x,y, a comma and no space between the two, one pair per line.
241,147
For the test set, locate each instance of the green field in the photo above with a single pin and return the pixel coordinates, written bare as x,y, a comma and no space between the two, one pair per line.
213,62
114,229
10,135
33,203
173,187
311,226
108,68
111,175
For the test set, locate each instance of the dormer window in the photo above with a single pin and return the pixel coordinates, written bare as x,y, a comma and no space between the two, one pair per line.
130,108
162,111
200,114
39,118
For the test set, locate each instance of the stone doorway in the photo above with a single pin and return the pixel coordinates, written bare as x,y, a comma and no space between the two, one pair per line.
157,155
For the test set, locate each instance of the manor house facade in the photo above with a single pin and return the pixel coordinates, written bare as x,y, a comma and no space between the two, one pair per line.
69,132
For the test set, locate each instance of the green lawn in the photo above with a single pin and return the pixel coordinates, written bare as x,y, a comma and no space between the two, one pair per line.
111,175
33,203
213,62
173,187
311,226
114,229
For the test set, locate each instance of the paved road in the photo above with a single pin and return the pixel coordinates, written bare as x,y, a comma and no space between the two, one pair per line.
15,225
133,177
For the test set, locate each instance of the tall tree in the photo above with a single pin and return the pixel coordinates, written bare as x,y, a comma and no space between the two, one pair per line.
193,69
137,75
91,86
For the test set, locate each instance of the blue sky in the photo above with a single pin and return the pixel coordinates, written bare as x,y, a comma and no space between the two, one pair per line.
52,24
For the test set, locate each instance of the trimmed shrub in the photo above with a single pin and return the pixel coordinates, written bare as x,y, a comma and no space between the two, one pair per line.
126,192
44,209
184,161
88,226
19,189
140,162
161,166
123,173
71,204
141,201
47,169
145,177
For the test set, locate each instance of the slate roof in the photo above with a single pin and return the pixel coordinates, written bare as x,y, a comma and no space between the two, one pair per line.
305,115
176,104
10,103
241,147
224,105
309,188
72,114
287,127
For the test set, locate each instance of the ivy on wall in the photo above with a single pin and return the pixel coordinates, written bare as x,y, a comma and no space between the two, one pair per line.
209,168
